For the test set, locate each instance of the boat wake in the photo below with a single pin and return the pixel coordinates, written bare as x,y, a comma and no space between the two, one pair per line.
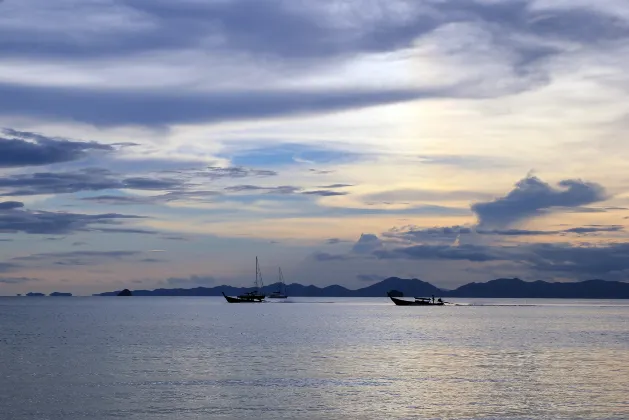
496,304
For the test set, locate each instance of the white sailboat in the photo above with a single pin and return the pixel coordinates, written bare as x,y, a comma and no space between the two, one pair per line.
278,294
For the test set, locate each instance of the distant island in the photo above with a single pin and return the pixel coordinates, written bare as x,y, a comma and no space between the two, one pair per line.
54,294
499,288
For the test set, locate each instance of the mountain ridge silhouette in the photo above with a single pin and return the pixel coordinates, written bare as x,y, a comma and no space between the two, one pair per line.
498,288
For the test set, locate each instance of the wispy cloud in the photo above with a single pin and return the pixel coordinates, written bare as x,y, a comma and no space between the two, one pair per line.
14,219
17,280
92,179
159,108
76,258
574,261
192,281
22,148
312,120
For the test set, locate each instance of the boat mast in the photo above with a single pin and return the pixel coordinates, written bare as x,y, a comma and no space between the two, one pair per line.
282,280
258,274
256,281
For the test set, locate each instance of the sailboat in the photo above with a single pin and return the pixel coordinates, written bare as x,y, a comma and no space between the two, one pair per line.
278,293
250,297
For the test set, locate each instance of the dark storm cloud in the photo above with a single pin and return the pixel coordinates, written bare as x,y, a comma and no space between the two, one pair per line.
159,107
23,148
531,197
14,220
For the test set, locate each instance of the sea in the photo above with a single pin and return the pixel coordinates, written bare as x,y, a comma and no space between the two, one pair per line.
142,358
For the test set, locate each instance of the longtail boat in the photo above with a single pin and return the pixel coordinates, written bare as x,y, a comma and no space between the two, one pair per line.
418,302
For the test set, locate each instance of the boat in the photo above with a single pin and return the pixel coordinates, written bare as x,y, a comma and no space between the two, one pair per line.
278,293
238,299
418,302
255,296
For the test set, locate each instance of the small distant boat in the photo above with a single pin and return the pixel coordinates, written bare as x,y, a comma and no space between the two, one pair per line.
250,297
418,302
278,293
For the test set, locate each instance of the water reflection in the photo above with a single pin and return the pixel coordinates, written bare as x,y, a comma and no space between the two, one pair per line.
191,358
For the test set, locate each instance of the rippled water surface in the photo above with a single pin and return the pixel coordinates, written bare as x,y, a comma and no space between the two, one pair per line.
325,358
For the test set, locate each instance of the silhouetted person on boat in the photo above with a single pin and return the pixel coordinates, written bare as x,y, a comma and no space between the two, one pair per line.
433,298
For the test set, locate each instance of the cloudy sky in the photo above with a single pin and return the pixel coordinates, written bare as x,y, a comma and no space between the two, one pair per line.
153,143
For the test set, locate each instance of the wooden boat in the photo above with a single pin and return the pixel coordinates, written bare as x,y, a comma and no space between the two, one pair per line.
417,302
278,293
250,297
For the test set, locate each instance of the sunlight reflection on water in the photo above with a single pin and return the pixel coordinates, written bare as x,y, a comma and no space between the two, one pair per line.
147,358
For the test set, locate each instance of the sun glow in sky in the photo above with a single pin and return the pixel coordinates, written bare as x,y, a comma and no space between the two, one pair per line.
150,143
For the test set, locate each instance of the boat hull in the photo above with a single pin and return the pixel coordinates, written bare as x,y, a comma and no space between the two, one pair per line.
402,302
249,296
230,299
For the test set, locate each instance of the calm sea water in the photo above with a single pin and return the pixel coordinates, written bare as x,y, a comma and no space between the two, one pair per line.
325,358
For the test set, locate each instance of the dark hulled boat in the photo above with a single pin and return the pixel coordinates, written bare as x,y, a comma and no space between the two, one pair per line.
250,297
417,302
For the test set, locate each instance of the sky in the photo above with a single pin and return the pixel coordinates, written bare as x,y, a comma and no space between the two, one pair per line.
152,143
